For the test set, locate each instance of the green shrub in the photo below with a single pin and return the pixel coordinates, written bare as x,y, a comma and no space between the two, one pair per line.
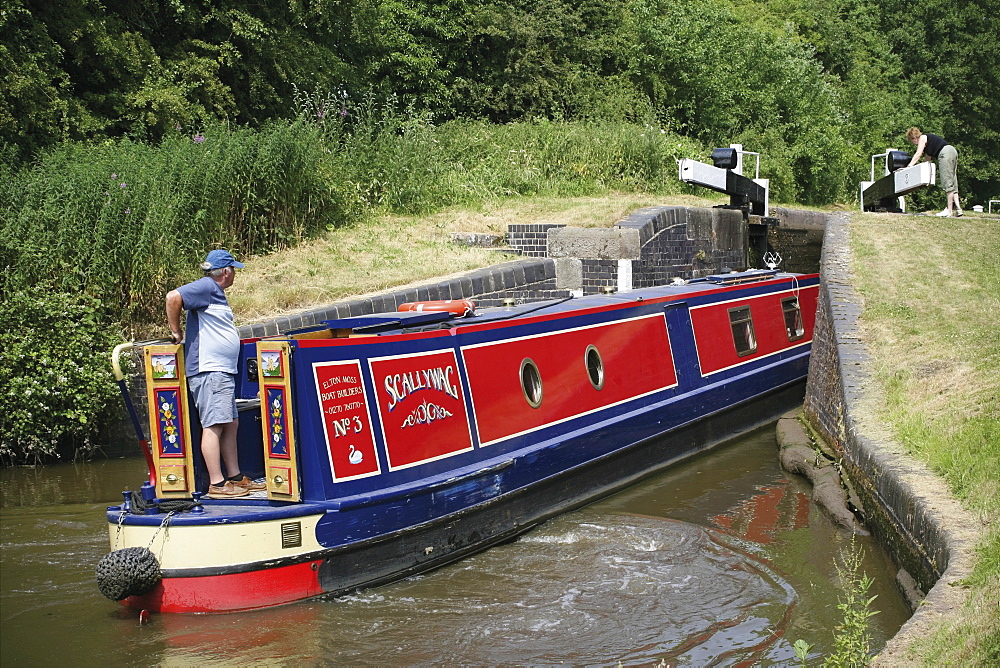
404,163
57,387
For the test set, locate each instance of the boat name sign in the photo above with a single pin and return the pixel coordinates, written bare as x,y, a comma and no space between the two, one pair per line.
421,406
401,385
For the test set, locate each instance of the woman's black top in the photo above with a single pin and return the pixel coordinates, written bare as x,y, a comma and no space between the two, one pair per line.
934,145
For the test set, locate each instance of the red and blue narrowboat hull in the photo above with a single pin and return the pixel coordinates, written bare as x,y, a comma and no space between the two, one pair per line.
403,444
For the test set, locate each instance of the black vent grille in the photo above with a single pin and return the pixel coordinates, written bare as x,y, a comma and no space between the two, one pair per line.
291,534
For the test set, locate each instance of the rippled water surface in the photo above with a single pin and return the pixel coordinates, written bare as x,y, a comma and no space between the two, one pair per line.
720,561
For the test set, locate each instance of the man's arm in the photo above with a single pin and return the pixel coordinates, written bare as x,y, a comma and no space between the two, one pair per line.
174,306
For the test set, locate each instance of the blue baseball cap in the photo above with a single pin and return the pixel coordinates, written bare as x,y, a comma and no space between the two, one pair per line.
218,259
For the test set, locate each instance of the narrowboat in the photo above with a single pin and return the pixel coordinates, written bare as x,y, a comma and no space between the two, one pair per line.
395,443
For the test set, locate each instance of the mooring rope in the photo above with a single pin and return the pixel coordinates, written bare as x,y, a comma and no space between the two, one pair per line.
139,505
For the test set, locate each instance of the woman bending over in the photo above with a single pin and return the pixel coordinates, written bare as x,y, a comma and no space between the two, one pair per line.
932,146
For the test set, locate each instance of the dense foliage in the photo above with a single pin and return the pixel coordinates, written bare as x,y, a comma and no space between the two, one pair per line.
816,86
58,391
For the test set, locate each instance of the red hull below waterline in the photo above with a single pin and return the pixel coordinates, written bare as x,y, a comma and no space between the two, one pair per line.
232,592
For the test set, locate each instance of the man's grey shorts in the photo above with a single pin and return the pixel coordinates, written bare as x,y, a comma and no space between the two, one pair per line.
214,394
948,169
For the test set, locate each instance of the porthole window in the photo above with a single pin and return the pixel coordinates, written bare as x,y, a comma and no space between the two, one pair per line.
595,367
531,383
743,334
793,318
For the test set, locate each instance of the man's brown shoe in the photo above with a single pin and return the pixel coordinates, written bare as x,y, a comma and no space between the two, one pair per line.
226,490
249,485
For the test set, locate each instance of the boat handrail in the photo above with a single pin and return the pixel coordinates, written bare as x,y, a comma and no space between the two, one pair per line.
121,347
739,277
127,397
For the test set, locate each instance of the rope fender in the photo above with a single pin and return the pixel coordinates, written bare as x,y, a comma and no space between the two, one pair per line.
132,571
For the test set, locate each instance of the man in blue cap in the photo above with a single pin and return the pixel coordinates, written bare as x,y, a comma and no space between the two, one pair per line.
211,350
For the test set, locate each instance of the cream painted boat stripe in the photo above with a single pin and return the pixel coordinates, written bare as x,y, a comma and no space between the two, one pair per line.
215,545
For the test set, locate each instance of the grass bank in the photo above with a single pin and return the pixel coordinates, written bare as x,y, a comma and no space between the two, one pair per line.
390,250
931,292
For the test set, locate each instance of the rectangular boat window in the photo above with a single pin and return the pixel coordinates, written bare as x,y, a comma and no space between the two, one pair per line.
793,318
743,335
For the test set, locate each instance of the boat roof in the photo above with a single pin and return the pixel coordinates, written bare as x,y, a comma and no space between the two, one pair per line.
396,321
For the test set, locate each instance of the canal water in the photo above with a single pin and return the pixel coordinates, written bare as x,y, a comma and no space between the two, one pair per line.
720,561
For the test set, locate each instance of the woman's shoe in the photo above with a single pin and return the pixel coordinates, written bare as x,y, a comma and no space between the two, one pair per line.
944,214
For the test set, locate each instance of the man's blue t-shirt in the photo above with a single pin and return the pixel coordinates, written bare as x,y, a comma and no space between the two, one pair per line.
211,341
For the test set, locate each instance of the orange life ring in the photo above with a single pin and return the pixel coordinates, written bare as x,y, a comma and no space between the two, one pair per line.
457,307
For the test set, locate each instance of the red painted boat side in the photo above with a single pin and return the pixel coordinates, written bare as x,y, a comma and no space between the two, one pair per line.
714,336
233,592
495,381
421,393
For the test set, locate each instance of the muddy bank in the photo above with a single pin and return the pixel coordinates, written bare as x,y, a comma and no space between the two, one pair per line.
799,454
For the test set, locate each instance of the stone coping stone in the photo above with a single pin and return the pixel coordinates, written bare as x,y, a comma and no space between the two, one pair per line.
479,239
602,243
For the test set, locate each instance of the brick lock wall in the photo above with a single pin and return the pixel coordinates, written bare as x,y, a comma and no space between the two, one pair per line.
686,243
894,489
598,274
798,238
672,253
533,292
824,402
666,255
530,240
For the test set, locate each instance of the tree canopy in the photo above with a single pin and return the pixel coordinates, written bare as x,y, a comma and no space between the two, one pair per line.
821,83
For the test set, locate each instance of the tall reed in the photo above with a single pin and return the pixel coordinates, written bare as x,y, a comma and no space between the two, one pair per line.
126,221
